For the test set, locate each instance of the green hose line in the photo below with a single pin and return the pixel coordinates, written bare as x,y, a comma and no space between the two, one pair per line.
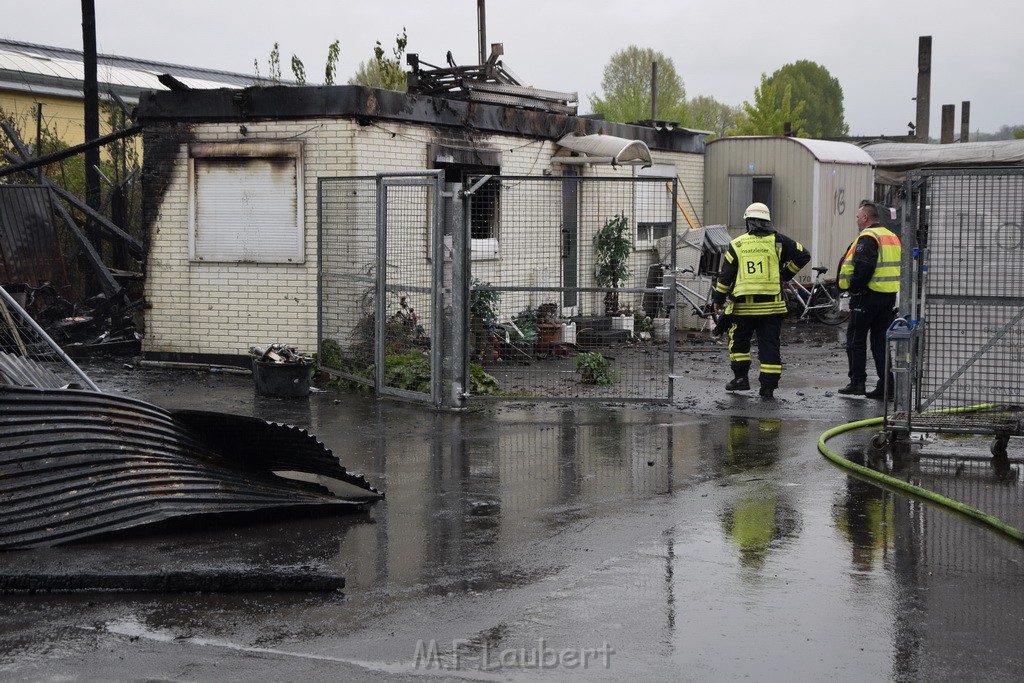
900,485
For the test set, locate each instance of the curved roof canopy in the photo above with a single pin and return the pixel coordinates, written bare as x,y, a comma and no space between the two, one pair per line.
828,151
603,149
896,159
917,155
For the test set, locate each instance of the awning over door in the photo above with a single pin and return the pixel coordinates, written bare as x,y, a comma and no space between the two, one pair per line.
603,149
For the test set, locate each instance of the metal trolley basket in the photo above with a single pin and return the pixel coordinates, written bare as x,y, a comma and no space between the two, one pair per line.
956,356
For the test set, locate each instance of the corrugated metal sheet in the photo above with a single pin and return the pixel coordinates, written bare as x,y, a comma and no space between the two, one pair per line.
74,464
29,249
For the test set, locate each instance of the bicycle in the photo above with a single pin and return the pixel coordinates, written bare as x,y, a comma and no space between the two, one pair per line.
823,299
699,303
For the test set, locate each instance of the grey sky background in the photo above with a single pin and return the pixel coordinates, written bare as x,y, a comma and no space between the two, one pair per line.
719,47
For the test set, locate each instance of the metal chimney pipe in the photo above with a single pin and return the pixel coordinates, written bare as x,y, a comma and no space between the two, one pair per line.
924,86
481,27
654,91
948,114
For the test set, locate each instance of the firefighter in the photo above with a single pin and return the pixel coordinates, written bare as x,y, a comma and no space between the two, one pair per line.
756,265
870,271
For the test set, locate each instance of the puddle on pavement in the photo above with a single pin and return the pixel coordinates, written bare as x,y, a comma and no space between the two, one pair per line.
651,529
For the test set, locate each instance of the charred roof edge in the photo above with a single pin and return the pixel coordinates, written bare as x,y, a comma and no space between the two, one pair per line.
370,104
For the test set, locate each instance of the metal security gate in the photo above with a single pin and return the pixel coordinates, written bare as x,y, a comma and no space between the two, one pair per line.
486,290
380,262
958,353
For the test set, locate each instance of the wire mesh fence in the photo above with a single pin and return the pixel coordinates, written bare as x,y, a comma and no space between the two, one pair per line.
561,303
553,274
348,266
963,270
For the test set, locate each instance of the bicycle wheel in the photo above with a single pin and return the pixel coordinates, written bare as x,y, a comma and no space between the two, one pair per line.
831,310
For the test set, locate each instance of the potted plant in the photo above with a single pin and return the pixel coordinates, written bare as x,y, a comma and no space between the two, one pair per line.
484,308
595,368
549,327
614,245
642,324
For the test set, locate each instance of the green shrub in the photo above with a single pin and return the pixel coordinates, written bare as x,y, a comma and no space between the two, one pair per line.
595,369
482,383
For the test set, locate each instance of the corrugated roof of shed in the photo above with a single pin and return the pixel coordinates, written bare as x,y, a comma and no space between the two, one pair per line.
60,71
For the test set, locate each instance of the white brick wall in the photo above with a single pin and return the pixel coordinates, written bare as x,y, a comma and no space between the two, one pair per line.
224,308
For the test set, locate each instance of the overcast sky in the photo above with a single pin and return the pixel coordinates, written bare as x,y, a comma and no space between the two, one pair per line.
719,47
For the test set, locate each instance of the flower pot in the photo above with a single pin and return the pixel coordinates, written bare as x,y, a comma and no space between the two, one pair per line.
660,329
623,322
548,334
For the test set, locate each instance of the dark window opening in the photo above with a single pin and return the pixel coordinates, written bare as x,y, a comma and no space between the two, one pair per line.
467,166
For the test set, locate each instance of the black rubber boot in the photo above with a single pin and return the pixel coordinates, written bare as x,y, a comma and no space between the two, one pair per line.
738,384
769,383
880,392
853,389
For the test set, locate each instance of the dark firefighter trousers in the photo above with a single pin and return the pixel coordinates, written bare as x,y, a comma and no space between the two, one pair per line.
870,316
768,329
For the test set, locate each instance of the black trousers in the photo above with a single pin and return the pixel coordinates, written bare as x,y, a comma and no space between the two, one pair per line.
870,316
768,329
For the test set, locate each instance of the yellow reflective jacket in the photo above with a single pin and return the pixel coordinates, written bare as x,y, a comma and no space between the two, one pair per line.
755,266
885,277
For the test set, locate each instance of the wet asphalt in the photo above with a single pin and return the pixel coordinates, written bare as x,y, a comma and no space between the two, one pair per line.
705,540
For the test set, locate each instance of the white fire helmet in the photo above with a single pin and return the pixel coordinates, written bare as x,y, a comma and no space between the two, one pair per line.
757,210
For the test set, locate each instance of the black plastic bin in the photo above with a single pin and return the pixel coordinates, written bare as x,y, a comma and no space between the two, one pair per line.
281,380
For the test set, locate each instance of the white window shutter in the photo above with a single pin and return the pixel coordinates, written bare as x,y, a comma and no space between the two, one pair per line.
246,209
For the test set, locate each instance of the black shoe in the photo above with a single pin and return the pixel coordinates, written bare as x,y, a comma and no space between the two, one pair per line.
853,389
738,384
879,392
767,392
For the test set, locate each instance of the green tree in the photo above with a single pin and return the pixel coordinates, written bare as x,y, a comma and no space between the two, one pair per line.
614,245
274,65
333,51
707,113
627,88
1018,133
821,94
382,71
298,70
769,113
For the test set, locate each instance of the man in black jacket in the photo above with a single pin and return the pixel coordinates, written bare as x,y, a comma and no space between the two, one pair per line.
870,270
755,267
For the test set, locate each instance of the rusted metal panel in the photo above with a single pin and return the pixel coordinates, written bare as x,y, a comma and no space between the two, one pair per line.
75,464
29,247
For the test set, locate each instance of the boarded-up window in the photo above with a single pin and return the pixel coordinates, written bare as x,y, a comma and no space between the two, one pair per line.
245,202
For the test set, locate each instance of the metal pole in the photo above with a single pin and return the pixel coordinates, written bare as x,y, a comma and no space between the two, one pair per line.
481,22
13,305
654,91
39,129
924,86
380,305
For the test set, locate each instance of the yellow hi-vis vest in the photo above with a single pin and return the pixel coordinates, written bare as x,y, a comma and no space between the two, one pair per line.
757,274
757,265
886,277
